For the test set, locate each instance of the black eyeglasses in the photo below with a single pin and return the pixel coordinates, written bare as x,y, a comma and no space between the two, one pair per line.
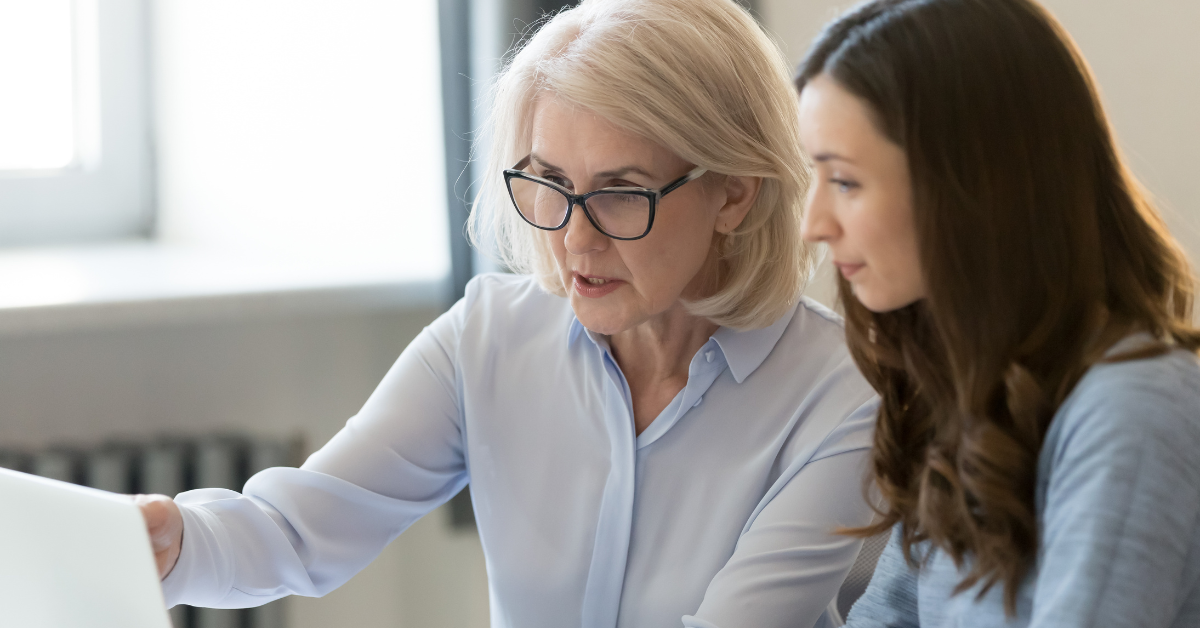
621,213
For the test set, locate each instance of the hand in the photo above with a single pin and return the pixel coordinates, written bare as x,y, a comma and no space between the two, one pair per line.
164,522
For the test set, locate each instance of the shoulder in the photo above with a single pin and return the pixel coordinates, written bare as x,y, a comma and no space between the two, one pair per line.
812,360
488,288
815,311
1132,395
815,338
502,313
498,309
501,298
1147,405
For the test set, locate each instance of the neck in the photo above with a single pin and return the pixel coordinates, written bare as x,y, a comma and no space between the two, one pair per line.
662,346
655,356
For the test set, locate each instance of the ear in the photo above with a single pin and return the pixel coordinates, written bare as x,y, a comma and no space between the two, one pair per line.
740,194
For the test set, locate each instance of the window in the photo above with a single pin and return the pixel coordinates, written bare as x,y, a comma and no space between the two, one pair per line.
294,146
306,131
37,118
74,121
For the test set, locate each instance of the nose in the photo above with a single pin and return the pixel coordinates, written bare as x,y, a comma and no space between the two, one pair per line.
819,223
582,237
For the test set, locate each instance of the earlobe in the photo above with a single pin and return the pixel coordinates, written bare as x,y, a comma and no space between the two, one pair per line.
740,194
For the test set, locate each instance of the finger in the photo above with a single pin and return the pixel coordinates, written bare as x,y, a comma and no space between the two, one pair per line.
151,510
164,564
157,517
161,542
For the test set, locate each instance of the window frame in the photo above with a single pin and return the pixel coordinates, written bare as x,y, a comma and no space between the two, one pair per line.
107,192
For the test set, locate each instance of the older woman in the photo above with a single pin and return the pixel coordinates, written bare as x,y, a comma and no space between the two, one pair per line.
654,424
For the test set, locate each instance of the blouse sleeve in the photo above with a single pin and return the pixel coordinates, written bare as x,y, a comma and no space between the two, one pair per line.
306,531
1122,499
789,563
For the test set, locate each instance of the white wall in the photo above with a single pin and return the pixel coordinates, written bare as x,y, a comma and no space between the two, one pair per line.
274,374
1146,57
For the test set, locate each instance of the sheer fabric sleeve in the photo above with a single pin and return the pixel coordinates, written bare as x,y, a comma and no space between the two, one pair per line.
790,561
306,531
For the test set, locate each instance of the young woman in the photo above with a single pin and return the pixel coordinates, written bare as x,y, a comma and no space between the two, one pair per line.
1014,298
657,429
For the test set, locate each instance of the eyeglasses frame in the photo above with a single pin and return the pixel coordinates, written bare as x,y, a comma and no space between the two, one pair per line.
653,196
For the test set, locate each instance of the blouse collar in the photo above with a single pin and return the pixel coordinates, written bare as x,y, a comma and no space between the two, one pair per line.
744,350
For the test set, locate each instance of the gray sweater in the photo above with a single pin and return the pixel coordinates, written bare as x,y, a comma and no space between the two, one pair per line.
1118,505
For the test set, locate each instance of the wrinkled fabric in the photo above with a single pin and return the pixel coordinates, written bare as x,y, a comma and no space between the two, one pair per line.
1118,507
720,513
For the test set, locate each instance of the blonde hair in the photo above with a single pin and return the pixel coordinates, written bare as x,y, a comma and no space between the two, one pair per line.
698,77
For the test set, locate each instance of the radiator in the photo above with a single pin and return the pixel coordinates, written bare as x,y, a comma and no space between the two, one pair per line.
168,466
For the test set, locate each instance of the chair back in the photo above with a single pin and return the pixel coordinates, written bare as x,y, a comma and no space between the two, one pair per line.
860,573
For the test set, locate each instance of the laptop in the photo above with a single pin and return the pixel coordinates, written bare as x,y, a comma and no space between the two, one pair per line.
74,557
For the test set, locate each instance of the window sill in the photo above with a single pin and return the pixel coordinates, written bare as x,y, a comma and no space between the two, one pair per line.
147,283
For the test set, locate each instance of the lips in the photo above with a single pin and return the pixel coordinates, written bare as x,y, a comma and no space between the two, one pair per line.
848,270
594,287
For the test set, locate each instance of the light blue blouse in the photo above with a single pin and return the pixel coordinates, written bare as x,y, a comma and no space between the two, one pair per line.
721,512
1118,508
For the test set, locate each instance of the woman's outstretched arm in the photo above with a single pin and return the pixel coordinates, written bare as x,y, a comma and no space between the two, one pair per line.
307,531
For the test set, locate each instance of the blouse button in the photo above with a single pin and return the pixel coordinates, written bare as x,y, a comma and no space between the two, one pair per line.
698,401
709,356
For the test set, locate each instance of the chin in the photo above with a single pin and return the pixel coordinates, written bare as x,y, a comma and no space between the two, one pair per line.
597,318
881,303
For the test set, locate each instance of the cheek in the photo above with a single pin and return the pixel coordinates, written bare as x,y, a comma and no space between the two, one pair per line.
650,261
665,262
892,249
902,235
556,241
685,241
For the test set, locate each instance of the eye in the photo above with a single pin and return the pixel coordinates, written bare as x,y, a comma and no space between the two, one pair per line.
556,179
627,199
844,185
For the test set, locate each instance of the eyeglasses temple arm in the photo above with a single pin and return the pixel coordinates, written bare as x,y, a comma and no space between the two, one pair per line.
694,174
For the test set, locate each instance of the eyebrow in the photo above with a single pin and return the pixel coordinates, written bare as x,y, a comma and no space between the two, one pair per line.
545,164
615,173
824,157
622,171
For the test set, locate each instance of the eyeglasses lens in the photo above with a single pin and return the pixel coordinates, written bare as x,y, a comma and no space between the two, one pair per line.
540,205
621,215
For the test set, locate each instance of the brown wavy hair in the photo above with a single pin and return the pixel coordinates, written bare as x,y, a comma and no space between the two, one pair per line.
1039,250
